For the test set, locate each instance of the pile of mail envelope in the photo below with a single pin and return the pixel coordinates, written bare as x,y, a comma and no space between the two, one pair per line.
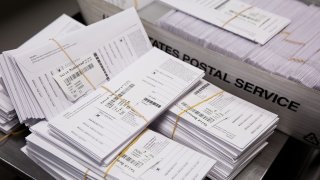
100,90
89,93
222,126
280,37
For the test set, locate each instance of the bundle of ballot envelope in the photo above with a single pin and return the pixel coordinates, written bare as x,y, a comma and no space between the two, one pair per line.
89,94
280,37
8,116
222,126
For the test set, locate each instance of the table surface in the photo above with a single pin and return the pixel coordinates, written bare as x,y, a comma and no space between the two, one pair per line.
11,155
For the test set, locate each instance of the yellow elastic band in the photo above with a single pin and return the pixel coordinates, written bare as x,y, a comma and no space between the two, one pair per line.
291,41
191,107
136,3
298,60
285,33
122,153
67,55
294,42
126,103
11,134
85,177
238,14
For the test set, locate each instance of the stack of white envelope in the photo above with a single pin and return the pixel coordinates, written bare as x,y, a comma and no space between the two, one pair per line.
18,89
103,121
8,116
153,156
94,131
45,79
220,125
85,139
293,53
13,91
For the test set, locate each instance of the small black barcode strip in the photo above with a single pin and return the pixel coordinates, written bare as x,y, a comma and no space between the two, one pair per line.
202,115
152,102
132,161
77,74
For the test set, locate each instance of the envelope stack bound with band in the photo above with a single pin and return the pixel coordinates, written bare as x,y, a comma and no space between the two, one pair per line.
16,82
18,104
89,93
280,37
102,89
8,116
226,128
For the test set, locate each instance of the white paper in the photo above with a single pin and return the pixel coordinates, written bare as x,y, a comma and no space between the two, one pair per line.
165,157
292,53
225,127
101,122
20,93
149,157
252,23
228,117
75,80
117,46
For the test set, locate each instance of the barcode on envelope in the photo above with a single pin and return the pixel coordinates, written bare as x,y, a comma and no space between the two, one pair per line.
203,116
152,102
77,74
132,161
198,113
